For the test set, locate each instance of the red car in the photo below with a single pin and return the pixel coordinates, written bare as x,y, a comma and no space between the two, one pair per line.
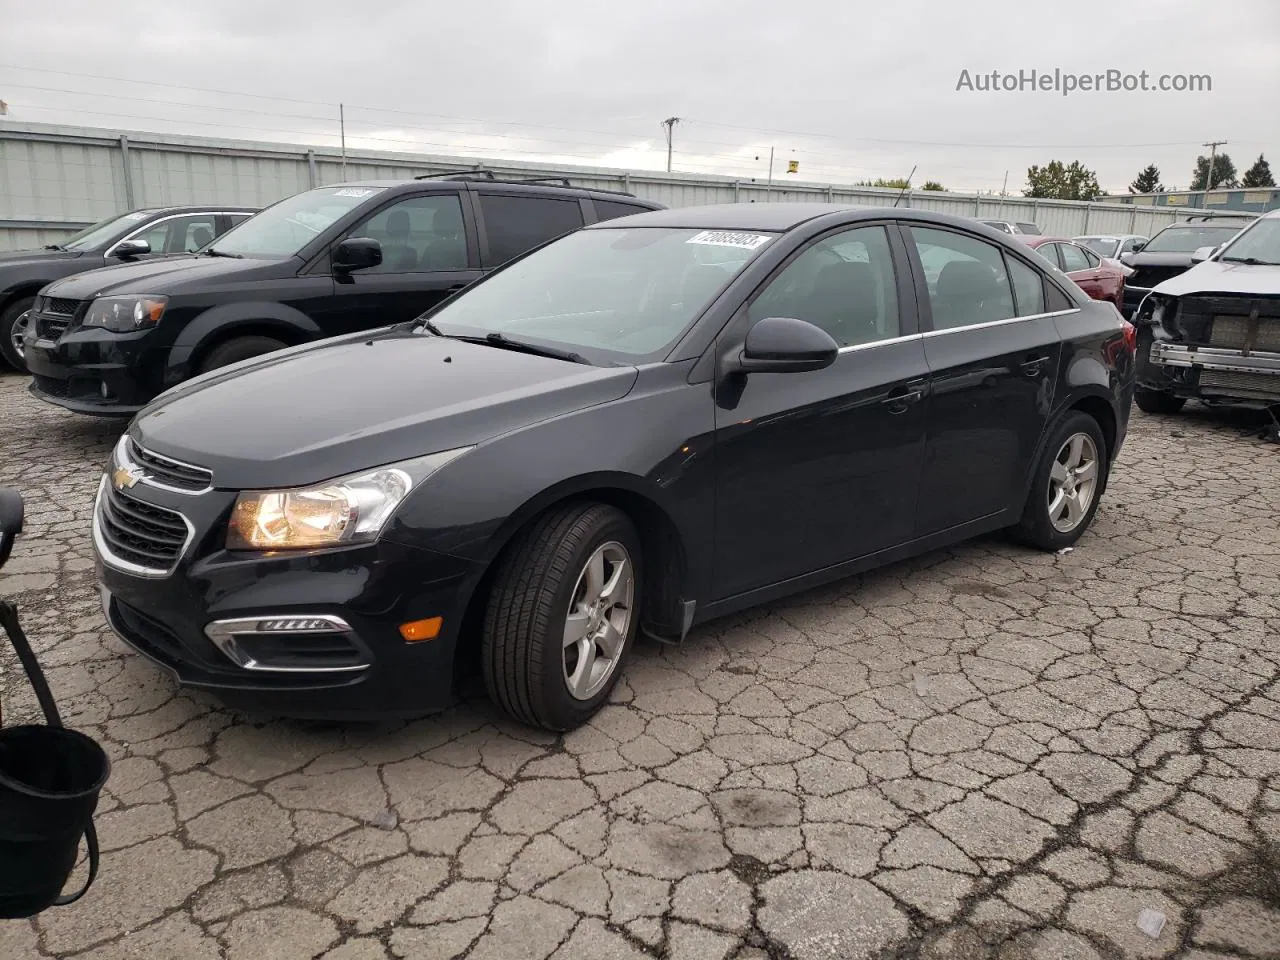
1100,278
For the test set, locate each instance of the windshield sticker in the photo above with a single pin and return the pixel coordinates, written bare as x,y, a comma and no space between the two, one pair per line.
725,238
136,216
355,192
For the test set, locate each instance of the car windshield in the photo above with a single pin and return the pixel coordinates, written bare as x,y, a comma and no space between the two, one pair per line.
106,232
622,294
1189,239
1261,242
284,228
1102,246
1030,229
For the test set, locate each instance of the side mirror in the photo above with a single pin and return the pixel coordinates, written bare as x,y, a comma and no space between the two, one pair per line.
1138,246
357,253
785,345
10,520
132,248
1202,254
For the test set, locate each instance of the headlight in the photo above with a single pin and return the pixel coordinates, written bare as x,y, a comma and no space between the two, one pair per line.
125,314
348,510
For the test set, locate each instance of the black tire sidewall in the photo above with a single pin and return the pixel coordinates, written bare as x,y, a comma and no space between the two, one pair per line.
563,711
1036,528
8,317
237,349
1157,402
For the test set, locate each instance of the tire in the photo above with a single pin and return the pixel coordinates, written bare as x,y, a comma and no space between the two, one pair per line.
9,325
237,349
1157,401
528,668
1044,527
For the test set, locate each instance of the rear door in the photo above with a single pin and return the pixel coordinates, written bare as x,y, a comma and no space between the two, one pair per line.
993,354
428,253
1082,268
817,468
514,222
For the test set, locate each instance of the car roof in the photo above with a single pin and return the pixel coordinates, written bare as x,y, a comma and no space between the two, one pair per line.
469,179
774,217
201,208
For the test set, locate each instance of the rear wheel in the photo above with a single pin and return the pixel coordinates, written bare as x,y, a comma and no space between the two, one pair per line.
1066,485
13,324
237,349
1157,401
562,616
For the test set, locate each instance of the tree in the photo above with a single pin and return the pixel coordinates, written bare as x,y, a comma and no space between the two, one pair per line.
1057,182
1224,173
932,185
1148,181
1259,175
897,184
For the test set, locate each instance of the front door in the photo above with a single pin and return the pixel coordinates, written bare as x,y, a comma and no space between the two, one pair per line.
427,255
993,356
817,468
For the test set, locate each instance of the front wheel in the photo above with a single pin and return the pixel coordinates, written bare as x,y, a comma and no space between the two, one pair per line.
237,349
1066,485
1157,401
13,324
562,616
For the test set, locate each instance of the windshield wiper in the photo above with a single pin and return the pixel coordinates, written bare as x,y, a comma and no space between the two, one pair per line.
1250,261
506,343
429,326
222,253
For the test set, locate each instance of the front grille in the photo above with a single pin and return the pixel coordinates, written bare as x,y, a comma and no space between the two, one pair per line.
51,328
300,651
139,533
1232,331
171,473
58,305
52,386
1232,383
1148,277
151,635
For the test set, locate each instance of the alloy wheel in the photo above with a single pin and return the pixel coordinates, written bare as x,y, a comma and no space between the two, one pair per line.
16,333
598,621
1073,482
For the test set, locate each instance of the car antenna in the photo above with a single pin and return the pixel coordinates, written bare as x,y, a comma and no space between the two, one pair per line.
906,186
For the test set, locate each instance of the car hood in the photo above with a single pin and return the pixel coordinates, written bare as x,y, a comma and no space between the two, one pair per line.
1213,276
21,258
164,275
325,409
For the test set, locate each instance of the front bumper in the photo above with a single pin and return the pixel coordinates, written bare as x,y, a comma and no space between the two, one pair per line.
199,619
94,371
1213,373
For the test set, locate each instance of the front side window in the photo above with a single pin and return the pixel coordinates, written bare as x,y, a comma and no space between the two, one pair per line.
179,234
966,277
1073,258
106,232
613,294
1261,243
418,235
285,228
844,284
516,225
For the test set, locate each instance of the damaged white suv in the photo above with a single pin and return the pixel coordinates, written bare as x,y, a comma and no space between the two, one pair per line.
1213,332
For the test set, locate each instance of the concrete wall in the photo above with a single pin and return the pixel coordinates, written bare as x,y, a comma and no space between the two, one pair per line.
56,179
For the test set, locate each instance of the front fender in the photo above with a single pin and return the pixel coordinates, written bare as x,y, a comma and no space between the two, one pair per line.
264,315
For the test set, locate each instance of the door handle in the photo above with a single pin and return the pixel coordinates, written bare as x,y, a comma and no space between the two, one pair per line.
900,398
1031,367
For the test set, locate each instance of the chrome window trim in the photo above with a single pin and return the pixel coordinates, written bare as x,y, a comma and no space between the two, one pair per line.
1000,323
110,251
121,458
222,634
103,550
881,343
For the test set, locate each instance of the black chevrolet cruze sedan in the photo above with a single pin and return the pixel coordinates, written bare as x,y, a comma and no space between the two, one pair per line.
635,428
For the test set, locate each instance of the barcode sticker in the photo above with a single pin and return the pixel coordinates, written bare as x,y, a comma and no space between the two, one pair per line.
354,192
726,238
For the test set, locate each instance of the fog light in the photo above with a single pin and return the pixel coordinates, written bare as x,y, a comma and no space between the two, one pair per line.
296,625
420,630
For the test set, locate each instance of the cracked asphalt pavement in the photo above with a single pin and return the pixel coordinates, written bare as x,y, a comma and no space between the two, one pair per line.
982,753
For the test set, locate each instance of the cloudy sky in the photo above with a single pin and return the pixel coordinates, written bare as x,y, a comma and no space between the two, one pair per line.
850,90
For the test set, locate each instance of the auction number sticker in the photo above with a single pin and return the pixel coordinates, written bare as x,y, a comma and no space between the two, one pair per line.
355,192
726,238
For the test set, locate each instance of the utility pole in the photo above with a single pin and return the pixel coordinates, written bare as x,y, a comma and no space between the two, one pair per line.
1208,177
342,127
769,191
670,124
1004,190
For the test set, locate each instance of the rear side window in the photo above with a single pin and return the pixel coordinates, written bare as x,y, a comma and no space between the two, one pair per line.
611,209
1028,288
515,225
1073,258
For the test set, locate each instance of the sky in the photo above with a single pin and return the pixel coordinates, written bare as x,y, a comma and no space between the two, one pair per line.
849,90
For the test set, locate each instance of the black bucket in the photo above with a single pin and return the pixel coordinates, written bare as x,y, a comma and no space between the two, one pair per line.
50,780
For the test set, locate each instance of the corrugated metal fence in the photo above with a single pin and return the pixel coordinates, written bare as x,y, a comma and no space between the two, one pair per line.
57,179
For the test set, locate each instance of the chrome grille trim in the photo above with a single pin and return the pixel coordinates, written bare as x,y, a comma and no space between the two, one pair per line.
111,559
155,469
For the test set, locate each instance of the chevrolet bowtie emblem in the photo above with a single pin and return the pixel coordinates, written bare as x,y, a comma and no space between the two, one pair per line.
122,478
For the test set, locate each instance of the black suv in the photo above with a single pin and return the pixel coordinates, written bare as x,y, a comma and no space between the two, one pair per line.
331,261
137,235
1169,253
